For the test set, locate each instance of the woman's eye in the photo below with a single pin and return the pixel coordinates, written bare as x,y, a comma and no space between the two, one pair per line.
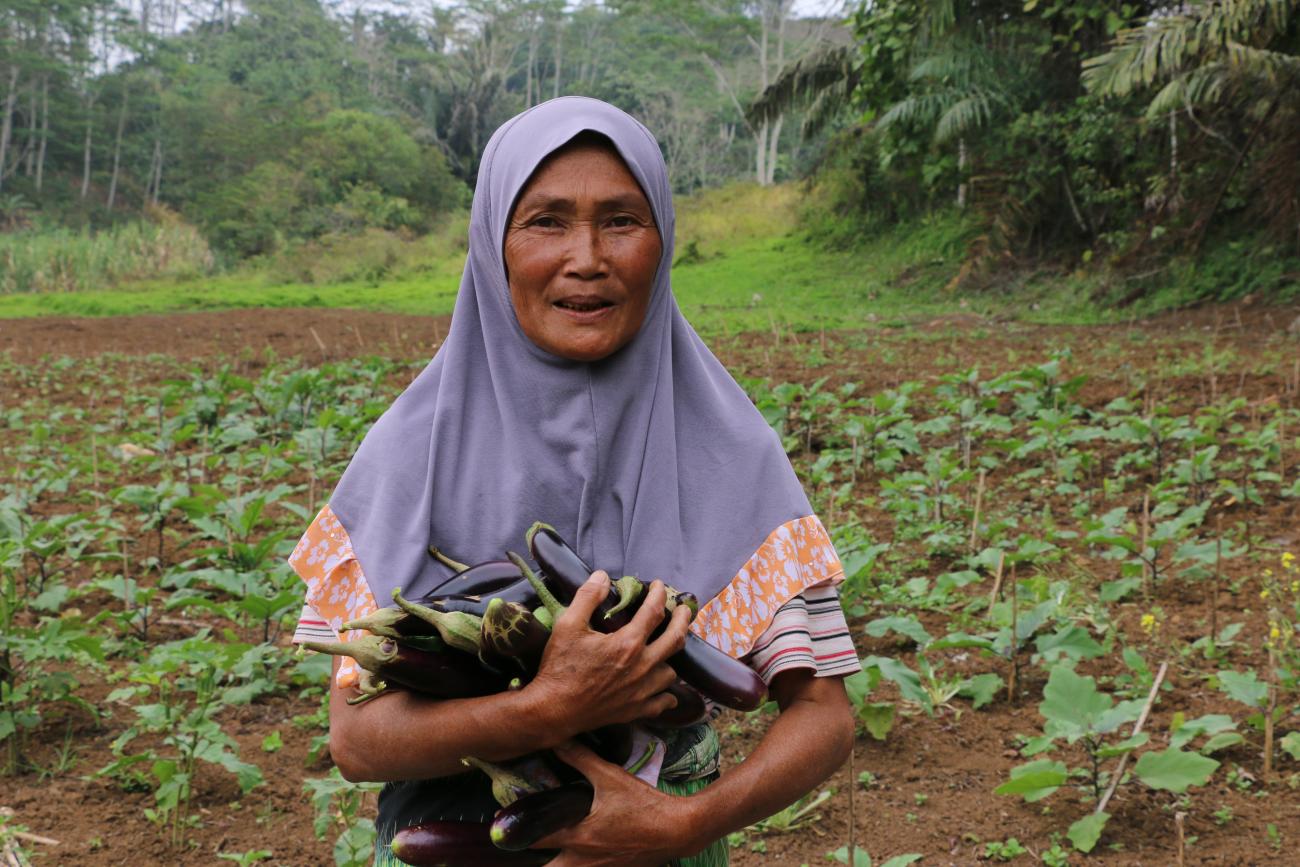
545,222
622,222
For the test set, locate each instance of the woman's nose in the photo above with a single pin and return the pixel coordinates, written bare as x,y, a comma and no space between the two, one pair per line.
587,252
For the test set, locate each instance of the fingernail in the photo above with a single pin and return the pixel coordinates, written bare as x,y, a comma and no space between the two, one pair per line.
600,577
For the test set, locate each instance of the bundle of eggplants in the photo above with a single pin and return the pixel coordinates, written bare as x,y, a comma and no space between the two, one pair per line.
484,631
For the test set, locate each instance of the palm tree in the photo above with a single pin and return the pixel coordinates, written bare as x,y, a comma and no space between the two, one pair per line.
1218,54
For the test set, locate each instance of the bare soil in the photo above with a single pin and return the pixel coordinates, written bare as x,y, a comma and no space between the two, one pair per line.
933,777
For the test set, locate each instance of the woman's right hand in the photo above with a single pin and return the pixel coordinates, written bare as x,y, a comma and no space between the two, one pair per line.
590,679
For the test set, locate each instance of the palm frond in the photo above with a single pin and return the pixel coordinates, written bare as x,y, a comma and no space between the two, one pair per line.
966,114
833,68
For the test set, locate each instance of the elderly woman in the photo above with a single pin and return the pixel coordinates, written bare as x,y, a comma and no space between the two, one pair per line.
572,390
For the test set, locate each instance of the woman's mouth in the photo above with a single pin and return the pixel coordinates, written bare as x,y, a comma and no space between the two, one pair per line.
584,308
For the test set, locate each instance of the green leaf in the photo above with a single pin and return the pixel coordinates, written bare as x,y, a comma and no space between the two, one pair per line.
1071,702
1035,780
908,681
981,688
1245,688
902,860
1174,770
878,717
1290,744
860,856
907,626
1072,641
1085,833
1127,745
272,742
1221,742
1183,733
1114,591
355,846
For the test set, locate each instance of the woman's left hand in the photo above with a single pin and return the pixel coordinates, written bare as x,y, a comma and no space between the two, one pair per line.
630,823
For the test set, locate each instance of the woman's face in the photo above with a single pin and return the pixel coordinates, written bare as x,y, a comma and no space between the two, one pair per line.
581,251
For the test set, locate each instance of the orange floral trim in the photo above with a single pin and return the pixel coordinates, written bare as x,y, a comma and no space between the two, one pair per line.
337,589
795,556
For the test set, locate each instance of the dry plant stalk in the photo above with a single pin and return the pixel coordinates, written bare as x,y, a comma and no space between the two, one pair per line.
975,520
997,585
1147,571
1137,728
1015,650
1271,680
1218,577
1179,819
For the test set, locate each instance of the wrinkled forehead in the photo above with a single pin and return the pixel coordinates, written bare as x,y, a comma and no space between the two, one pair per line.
522,143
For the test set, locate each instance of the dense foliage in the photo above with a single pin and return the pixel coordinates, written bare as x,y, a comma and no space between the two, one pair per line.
1069,130
267,121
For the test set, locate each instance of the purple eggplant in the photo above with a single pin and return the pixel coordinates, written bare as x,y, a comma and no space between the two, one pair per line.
533,817
440,674
689,710
459,844
613,742
512,637
518,591
726,680
481,579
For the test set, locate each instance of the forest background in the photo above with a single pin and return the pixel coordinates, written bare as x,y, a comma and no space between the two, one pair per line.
1123,152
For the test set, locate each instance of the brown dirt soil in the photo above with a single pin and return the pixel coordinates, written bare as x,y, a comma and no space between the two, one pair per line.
934,777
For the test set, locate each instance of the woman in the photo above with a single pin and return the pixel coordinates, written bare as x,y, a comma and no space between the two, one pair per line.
571,390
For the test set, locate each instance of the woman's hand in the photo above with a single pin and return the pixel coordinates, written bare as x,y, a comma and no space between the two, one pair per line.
591,679
630,823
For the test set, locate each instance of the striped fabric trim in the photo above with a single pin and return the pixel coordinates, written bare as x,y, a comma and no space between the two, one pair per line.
312,627
796,555
809,631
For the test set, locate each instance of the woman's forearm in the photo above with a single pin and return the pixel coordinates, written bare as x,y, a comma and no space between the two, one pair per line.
810,739
405,736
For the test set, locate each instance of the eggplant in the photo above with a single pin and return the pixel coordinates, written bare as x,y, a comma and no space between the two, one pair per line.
445,674
458,628
394,623
689,710
482,579
460,844
508,785
533,817
512,638
726,680
613,742
519,591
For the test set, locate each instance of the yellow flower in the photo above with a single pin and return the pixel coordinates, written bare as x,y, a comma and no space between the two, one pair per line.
1268,573
1274,633
1263,594
1295,586
1149,622
1288,559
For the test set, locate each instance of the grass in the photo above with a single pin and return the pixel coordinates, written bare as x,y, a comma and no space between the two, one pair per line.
742,263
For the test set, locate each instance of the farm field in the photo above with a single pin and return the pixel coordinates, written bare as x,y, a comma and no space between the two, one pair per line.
1035,521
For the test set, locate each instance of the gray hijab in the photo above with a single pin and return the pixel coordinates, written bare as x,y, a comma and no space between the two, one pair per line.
651,461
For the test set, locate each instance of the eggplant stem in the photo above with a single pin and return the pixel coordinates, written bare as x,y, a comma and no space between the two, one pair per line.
536,528
371,651
458,628
629,589
454,565
379,622
636,766
552,605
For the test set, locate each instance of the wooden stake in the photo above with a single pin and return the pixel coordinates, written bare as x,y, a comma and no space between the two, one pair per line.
1218,577
321,343
1147,571
1179,818
997,584
1015,643
1137,728
853,784
975,521
1271,680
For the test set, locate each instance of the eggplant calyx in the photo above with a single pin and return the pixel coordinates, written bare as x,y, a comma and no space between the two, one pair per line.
371,652
536,528
454,565
458,628
629,590
382,622
552,605
507,786
645,756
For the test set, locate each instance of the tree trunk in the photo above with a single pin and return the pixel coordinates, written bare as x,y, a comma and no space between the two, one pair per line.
117,145
559,49
961,172
29,161
775,135
85,153
45,130
6,126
